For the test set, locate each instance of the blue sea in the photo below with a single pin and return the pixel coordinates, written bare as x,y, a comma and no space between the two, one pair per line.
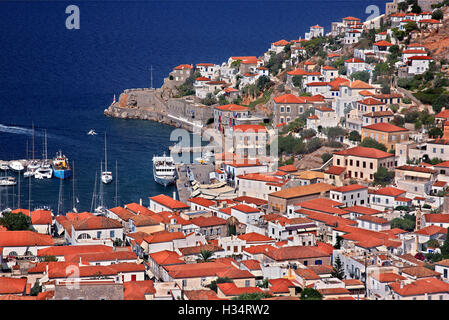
61,80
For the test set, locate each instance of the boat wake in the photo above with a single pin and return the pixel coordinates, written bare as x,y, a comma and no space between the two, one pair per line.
20,130
17,130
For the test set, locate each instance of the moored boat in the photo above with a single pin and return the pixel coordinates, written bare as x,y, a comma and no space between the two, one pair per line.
164,170
61,167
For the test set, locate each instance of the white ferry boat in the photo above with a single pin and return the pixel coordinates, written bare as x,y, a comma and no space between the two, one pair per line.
164,170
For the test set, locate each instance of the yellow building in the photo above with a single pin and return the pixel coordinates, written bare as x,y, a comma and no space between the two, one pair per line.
385,133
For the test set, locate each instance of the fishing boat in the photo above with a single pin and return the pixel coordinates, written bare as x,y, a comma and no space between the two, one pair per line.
106,176
164,170
7,181
61,167
16,166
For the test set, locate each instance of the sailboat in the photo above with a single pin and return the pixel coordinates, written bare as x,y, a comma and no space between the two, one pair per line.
45,171
33,165
106,176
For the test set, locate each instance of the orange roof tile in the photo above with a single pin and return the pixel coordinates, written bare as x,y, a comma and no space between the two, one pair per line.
169,202
365,153
384,127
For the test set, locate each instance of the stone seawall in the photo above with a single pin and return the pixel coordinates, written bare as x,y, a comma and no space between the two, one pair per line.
144,104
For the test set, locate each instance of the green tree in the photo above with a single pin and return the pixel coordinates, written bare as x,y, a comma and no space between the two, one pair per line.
355,136
338,241
213,284
410,26
264,283
360,75
50,259
205,255
402,6
445,246
383,176
325,157
440,102
252,296
297,81
16,221
371,143
405,223
35,289
209,100
416,8
311,294
435,132
338,271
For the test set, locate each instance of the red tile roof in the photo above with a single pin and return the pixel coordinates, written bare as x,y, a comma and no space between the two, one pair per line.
230,289
384,127
390,191
431,230
421,287
12,285
169,202
122,213
437,217
24,239
232,107
349,188
202,201
255,237
164,236
208,221
335,170
245,208
136,290
296,252
41,217
365,153
75,249
251,200
382,43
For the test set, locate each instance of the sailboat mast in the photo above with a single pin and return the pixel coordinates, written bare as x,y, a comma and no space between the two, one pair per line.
18,197
33,140
105,155
60,197
94,194
73,185
29,195
116,184
101,188
46,155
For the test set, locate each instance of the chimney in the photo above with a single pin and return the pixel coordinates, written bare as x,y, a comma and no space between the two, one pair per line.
46,268
174,195
402,284
140,201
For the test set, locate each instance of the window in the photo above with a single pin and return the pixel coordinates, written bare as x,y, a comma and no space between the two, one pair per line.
112,234
318,262
247,283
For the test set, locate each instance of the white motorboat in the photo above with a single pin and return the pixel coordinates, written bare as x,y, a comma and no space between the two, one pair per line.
44,173
164,170
16,166
28,174
92,132
8,181
106,177
4,166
